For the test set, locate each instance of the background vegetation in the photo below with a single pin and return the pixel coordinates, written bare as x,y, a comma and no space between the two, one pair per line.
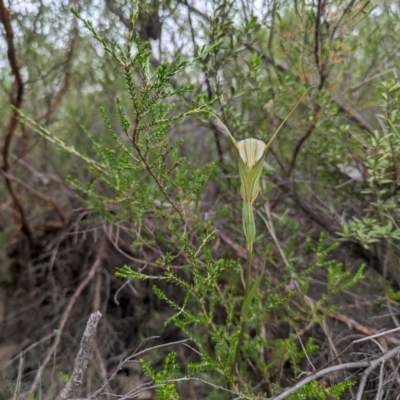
121,193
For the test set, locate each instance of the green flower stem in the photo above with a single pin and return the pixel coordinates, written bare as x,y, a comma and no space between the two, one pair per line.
246,290
248,269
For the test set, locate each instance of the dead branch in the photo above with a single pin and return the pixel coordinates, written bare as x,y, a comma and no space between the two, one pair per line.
341,367
32,346
43,177
194,10
38,194
368,332
379,335
119,13
319,374
92,272
372,365
124,249
136,354
303,139
318,44
82,358
149,386
16,102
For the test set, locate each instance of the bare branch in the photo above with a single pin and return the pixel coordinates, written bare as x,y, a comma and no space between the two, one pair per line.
194,10
99,392
341,367
373,364
82,358
377,335
319,374
96,265
303,139
370,333
36,193
16,102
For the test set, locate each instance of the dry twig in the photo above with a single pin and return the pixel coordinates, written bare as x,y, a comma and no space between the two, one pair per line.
38,194
136,354
372,365
82,358
16,102
357,327
96,265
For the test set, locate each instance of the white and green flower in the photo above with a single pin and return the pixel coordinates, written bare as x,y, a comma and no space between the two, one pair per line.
251,154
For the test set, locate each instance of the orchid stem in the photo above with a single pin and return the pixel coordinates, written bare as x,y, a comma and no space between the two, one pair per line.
246,293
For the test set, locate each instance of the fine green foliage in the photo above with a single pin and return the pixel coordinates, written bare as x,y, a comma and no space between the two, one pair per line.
243,243
378,224
143,174
317,391
161,380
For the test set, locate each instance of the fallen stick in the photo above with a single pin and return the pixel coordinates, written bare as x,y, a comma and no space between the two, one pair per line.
82,359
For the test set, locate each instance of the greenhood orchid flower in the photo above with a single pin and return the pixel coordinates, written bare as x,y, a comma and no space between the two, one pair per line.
251,155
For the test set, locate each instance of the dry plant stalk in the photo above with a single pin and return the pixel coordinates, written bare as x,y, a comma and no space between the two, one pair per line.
93,270
82,358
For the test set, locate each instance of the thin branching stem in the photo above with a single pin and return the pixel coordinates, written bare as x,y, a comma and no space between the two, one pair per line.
136,145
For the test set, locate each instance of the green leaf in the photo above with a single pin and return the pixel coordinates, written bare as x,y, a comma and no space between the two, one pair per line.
253,291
